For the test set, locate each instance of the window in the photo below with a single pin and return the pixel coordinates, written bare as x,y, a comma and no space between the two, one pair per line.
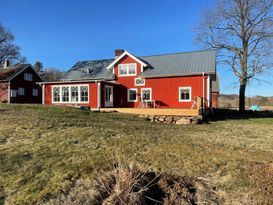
27,76
132,95
139,81
127,69
65,94
34,92
84,93
56,94
70,94
21,91
184,94
74,93
13,93
146,94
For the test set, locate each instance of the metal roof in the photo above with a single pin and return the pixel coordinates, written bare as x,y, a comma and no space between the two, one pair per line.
95,69
186,63
180,63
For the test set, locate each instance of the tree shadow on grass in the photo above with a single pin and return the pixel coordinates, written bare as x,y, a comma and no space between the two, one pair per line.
229,114
2,195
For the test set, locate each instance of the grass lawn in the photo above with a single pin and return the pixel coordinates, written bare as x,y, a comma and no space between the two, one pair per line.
44,150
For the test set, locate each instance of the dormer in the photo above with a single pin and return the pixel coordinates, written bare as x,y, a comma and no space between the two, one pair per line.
126,64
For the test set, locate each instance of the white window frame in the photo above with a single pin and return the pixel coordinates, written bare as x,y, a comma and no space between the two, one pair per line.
13,93
21,91
182,100
127,65
69,95
143,84
35,92
129,89
151,96
28,77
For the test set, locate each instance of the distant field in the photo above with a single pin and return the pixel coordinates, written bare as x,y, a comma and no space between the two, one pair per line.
267,107
44,150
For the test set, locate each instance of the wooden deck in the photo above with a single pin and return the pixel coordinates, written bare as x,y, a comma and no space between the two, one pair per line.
155,111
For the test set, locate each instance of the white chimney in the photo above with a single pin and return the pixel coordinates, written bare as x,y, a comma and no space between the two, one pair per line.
6,64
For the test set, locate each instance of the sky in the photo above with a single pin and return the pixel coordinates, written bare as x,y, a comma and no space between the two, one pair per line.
61,32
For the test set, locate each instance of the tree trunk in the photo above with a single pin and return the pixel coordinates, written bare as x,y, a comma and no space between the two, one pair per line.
242,95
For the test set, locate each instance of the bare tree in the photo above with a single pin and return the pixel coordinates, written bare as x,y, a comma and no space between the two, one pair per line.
243,31
8,51
52,74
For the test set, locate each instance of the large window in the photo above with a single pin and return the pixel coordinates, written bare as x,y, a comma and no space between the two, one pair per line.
74,93
146,94
84,93
27,76
127,69
70,94
56,94
132,95
184,94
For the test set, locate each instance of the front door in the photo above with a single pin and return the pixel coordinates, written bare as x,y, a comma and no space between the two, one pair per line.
108,96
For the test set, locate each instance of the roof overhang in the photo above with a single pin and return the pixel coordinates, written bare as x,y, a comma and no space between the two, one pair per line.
124,54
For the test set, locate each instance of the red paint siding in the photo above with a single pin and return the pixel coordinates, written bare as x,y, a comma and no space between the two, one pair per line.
215,99
3,92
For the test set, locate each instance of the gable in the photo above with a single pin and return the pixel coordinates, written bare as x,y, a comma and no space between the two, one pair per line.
20,75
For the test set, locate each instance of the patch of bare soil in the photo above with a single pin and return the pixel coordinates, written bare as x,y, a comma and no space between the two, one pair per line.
125,186
261,179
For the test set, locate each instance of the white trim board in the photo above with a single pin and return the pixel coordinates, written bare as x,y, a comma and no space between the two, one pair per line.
124,54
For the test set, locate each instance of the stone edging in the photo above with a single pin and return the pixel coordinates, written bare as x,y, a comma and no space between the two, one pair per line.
178,120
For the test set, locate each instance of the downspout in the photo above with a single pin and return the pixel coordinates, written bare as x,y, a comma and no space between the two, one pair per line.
203,89
208,89
8,91
99,95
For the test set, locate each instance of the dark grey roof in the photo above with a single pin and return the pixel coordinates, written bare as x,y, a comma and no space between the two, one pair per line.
6,74
180,63
96,70
187,63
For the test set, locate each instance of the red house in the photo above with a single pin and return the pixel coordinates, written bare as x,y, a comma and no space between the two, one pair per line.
165,81
18,84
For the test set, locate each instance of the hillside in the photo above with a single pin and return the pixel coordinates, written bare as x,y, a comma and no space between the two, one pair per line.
232,101
52,154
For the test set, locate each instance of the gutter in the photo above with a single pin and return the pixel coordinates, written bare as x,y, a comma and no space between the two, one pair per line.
176,75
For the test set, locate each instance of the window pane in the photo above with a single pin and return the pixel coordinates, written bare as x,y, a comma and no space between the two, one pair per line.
65,94
74,94
132,69
146,94
56,94
132,95
185,94
123,69
84,93
34,92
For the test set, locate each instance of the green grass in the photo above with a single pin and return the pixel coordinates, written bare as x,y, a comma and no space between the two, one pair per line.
43,150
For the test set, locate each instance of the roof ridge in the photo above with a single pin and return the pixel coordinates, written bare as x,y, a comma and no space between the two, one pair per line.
183,52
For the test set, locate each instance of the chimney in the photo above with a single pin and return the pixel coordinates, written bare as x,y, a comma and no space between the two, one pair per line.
118,52
6,64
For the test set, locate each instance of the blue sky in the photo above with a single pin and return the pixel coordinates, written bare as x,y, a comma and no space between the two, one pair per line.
60,33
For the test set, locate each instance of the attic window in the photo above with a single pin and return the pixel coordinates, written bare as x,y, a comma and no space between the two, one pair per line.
127,69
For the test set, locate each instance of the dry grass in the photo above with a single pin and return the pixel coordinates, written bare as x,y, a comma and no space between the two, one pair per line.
46,151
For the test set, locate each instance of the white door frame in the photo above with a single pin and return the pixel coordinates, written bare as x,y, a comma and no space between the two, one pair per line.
111,102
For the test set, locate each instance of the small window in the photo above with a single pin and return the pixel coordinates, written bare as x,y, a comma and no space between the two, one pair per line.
74,93
21,91
132,95
84,93
127,69
56,94
34,92
13,93
184,94
27,76
65,94
139,81
146,94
